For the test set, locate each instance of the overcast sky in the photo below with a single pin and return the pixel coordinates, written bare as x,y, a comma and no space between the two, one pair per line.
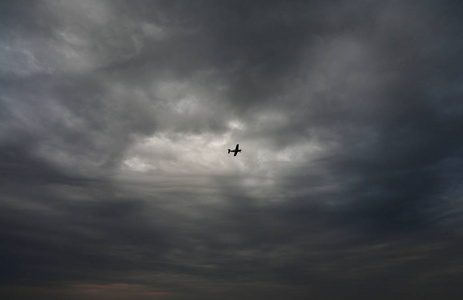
116,117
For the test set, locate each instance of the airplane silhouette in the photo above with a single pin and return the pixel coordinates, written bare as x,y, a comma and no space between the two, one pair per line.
236,150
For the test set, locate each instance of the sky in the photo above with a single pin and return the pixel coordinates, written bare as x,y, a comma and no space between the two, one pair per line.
116,117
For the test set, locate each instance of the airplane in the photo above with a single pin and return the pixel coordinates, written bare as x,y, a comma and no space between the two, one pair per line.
236,150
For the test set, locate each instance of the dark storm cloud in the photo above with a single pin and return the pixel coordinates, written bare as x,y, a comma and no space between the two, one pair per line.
348,113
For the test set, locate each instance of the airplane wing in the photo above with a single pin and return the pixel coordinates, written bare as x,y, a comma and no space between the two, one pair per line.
237,146
236,152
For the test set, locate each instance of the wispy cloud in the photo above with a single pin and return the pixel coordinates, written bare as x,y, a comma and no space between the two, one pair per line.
116,117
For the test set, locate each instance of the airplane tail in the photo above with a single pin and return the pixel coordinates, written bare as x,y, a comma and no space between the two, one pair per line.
228,151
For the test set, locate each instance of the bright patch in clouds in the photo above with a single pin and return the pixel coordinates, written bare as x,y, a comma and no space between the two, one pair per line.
204,154
181,154
235,124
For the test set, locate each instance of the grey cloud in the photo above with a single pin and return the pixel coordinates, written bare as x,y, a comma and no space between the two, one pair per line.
348,114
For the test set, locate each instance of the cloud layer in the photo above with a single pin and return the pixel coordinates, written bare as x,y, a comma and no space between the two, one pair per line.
116,116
